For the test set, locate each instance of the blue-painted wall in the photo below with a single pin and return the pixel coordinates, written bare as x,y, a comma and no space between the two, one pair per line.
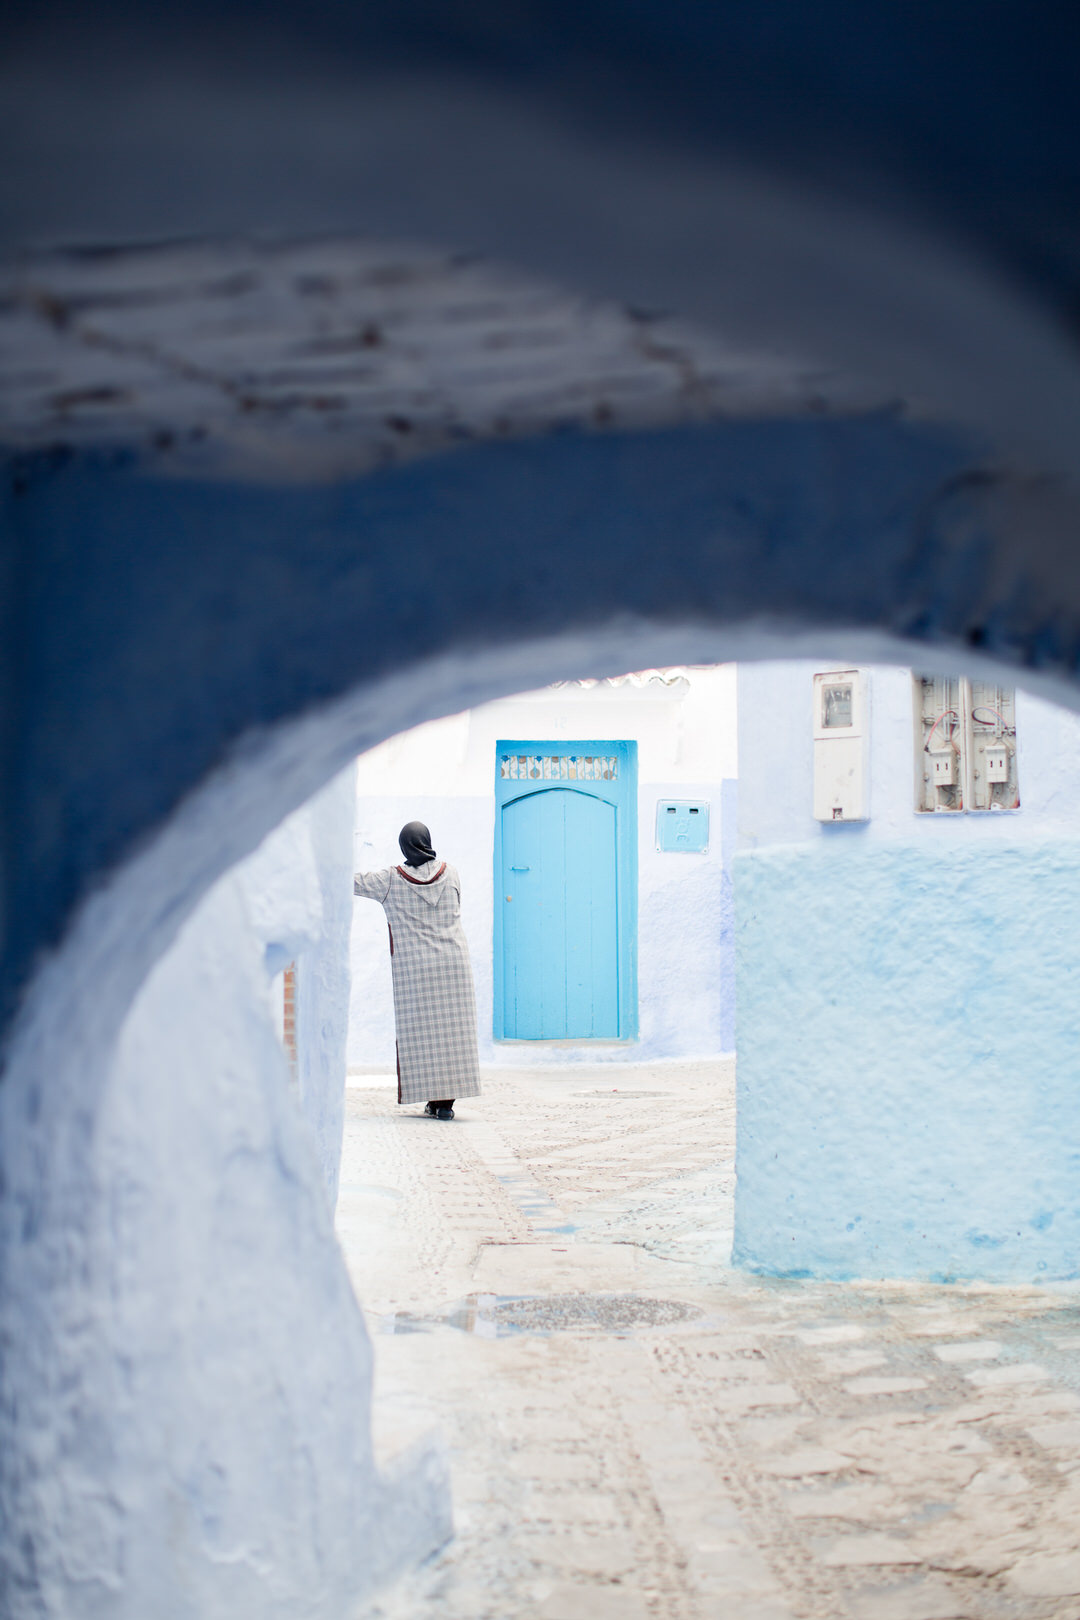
152,623
908,1022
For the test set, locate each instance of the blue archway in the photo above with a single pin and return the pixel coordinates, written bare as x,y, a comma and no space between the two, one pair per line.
190,649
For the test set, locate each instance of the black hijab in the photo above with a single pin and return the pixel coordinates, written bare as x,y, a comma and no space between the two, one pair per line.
415,842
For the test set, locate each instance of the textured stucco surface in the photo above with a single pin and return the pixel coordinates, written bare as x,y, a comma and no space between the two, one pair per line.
195,1380
908,1098
907,1026
890,187
186,659
328,357
323,973
256,603
776,749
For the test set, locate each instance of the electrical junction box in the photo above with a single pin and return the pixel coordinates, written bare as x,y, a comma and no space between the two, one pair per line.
965,745
682,826
997,763
841,738
941,752
991,740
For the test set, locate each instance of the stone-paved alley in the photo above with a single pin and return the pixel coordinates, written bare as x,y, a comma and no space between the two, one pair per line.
635,1430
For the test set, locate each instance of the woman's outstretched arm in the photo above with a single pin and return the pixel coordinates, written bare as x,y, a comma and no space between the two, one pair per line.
373,885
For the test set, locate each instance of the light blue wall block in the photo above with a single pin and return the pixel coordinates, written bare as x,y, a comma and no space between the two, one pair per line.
725,979
909,1061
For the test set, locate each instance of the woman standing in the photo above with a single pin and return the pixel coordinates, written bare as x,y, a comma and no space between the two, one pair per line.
434,1001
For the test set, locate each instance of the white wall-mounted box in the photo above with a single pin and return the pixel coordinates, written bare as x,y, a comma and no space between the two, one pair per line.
997,763
841,736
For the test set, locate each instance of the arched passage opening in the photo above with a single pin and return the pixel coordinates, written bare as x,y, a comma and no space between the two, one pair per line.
828,1315
218,644
62,1065
170,636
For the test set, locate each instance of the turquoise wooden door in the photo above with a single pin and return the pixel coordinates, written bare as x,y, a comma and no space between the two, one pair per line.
565,894
560,924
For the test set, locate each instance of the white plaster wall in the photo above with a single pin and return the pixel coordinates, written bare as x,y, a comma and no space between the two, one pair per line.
193,1421
775,702
323,974
298,901
443,773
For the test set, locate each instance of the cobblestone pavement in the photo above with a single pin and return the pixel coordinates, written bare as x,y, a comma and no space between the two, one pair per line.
636,1430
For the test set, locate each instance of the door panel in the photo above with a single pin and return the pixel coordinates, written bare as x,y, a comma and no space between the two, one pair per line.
560,918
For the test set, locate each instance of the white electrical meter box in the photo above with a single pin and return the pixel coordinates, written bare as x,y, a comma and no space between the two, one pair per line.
965,745
997,763
841,738
992,747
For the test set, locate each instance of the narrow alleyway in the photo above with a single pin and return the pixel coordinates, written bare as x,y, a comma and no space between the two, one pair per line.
636,1431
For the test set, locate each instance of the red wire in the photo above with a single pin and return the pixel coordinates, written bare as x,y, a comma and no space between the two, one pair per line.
944,715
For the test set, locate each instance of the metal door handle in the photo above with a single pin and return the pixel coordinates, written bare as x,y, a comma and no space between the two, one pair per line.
521,869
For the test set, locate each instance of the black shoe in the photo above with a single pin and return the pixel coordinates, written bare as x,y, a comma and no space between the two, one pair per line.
432,1112
446,1113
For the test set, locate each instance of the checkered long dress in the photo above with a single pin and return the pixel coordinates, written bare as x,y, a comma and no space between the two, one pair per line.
434,1001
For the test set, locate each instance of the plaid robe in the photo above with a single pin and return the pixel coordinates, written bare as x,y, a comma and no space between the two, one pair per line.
434,1001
